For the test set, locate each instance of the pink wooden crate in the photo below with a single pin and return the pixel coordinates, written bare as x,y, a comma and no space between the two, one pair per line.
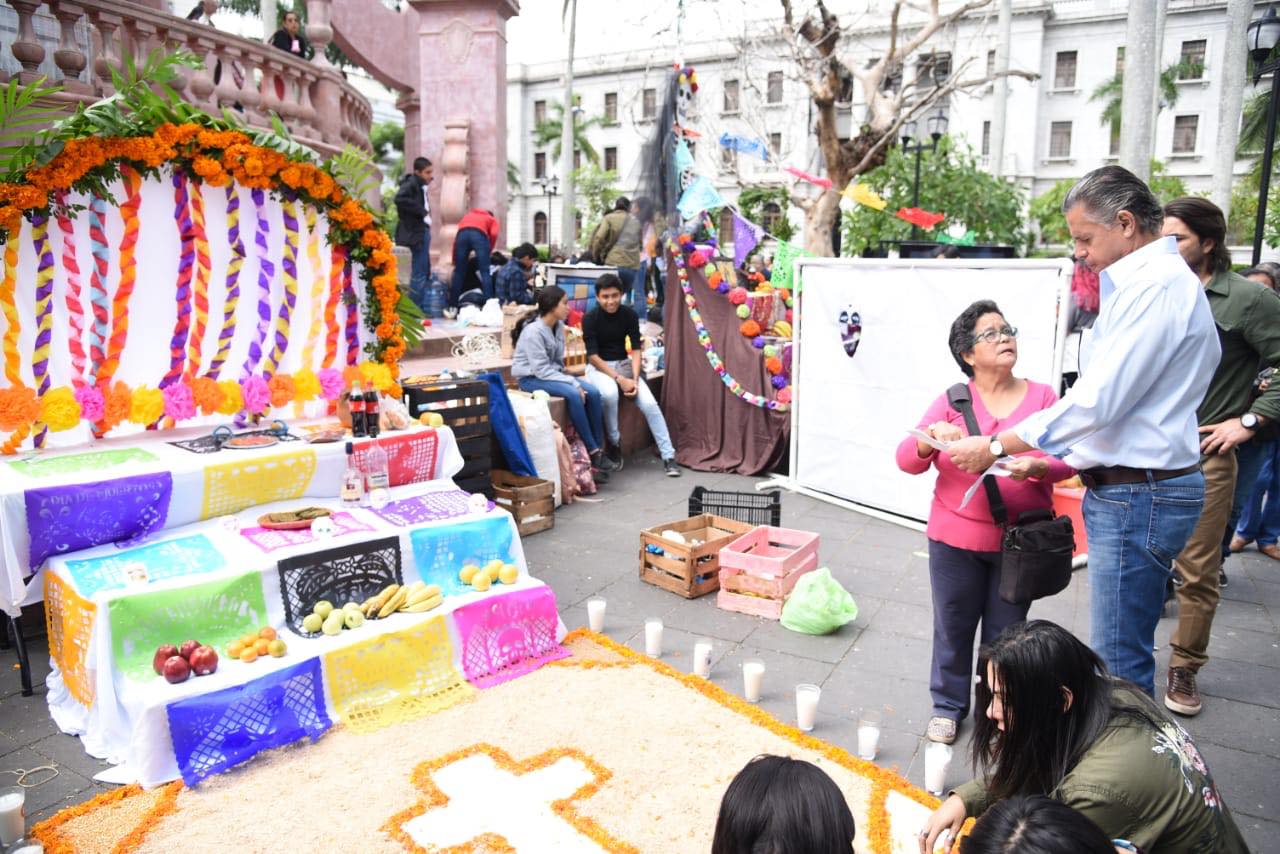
768,552
759,597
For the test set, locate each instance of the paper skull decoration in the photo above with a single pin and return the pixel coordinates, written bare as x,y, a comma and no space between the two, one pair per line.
686,88
850,323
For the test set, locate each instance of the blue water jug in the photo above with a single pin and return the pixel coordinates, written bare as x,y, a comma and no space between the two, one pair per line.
435,298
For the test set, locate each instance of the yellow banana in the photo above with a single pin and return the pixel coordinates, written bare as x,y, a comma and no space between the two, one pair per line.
393,604
426,604
375,606
423,594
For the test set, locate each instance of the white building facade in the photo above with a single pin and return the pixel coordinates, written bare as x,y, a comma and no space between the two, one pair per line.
1053,130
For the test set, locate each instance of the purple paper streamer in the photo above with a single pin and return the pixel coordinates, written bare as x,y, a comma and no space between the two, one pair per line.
266,272
285,313
44,322
64,519
269,540
182,325
233,283
746,236
432,507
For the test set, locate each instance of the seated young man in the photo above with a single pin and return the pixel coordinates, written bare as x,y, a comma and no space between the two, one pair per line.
605,330
513,279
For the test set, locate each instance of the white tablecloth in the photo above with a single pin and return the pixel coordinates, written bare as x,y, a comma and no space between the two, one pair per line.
127,723
188,472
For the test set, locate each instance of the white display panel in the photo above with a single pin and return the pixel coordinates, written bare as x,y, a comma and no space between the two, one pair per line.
851,412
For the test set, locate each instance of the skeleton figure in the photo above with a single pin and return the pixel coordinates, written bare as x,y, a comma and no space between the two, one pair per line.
686,88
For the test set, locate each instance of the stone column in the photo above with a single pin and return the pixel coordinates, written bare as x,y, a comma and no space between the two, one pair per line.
1234,60
1136,128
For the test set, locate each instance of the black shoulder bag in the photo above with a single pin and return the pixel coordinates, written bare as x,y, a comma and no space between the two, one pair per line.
1035,559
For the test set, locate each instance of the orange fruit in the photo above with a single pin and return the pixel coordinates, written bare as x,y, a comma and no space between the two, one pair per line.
248,640
248,655
267,632
260,646
235,648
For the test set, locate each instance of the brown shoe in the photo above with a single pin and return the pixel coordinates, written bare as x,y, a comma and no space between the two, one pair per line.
1239,544
1182,695
1271,550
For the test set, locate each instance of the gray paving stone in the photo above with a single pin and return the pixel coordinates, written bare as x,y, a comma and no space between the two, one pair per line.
904,703
1243,726
11,677
68,752
782,673
1253,779
1243,615
1242,645
887,652
702,616
1260,834
912,620
1236,680
66,784
831,648
26,719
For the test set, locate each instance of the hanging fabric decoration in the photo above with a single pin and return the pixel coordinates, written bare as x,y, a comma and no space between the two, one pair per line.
865,196
700,196
924,219
966,239
850,324
783,258
825,183
128,276
75,308
746,236
186,270
227,333
755,147
337,257
284,315
266,272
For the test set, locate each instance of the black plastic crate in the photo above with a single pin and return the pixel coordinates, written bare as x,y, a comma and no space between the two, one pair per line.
463,404
754,508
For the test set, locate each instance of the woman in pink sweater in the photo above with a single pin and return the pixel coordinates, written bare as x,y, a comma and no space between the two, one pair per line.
964,543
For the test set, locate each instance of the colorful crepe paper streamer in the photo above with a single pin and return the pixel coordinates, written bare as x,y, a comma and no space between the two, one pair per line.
232,286
755,147
44,310
825,183
99,298
284,315
128,276
186,271
75,308
9,307
865,196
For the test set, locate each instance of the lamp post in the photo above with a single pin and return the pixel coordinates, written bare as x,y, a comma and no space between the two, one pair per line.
937,127
1263,35
550,188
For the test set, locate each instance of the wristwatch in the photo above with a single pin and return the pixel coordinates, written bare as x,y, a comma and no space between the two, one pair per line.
996,448
1249,421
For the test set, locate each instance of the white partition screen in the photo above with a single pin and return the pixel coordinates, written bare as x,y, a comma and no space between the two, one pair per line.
851,411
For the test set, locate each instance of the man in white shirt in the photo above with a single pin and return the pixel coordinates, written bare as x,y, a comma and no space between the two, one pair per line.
1129,423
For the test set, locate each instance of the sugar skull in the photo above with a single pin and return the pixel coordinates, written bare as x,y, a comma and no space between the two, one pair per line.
686,88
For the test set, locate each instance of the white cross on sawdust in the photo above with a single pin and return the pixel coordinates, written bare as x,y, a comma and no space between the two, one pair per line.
484,798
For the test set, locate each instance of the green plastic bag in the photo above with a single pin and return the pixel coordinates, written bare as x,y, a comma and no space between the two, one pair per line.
818,605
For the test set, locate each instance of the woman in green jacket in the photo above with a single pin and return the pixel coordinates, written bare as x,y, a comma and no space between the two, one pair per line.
1058,724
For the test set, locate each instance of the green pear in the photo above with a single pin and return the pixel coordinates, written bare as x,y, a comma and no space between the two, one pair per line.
324,607
312,623
353,618
333,623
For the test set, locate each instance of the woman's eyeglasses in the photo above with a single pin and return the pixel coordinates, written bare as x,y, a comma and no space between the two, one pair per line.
991,336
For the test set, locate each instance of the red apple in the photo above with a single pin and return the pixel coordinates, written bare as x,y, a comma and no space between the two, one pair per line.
204,660
176,669
187,648
163,653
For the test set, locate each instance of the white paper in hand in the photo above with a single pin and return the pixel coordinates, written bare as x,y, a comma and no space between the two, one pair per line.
922,436
995,468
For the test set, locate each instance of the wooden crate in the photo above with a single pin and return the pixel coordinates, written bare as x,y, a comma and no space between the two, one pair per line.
683,568
464,406
531,500
759,569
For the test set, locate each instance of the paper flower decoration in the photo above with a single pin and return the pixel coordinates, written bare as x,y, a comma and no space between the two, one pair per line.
773,366
92,403
119,406
743,311
778,381
19,406
750,329
232,397
715,279
738,296
257,395
770,351
207,394
723,287
306,385
697,259
784,396
59,409
282,390
179,403
758,342
331,383
147,405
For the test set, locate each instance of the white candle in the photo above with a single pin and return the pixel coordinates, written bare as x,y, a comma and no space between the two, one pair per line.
12,814
752,677
595,614
937,758
32,847
868,741
807,705
702,657
653,637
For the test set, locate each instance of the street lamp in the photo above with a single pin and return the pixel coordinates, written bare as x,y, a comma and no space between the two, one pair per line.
1263,35
937,124
550,188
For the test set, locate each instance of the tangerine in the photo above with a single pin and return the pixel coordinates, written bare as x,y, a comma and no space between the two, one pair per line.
260,646
235,648
267,632
248,655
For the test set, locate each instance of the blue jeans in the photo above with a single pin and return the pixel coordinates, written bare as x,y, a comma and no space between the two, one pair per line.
1259,519
587,418
421,270
1135,531
633,283
1248,465
468,241
966,591
644,399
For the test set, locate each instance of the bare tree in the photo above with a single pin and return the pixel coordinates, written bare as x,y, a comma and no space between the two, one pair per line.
818,46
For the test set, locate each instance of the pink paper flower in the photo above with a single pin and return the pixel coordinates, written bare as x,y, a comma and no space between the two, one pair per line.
257,395
784,396
738,296
92,404
331,383
179,403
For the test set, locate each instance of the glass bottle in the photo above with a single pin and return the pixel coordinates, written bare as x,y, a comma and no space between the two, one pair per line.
352,479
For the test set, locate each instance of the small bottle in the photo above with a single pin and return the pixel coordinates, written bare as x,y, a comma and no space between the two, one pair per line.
376,467
356,400
352,480
372,416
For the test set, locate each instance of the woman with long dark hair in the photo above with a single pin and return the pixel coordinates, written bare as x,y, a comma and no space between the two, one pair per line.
1058,724
538,364
779,805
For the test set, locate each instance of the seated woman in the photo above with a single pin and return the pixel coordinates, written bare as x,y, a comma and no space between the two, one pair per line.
778,805
1058,724
538,363
964,542
1038,825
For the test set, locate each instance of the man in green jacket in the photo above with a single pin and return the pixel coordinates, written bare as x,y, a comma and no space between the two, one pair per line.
1248,319
616,242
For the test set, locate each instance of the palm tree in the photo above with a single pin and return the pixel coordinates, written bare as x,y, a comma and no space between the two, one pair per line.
550,132
1110,91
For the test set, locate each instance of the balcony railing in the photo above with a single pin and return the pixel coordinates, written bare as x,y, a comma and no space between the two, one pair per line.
75,44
